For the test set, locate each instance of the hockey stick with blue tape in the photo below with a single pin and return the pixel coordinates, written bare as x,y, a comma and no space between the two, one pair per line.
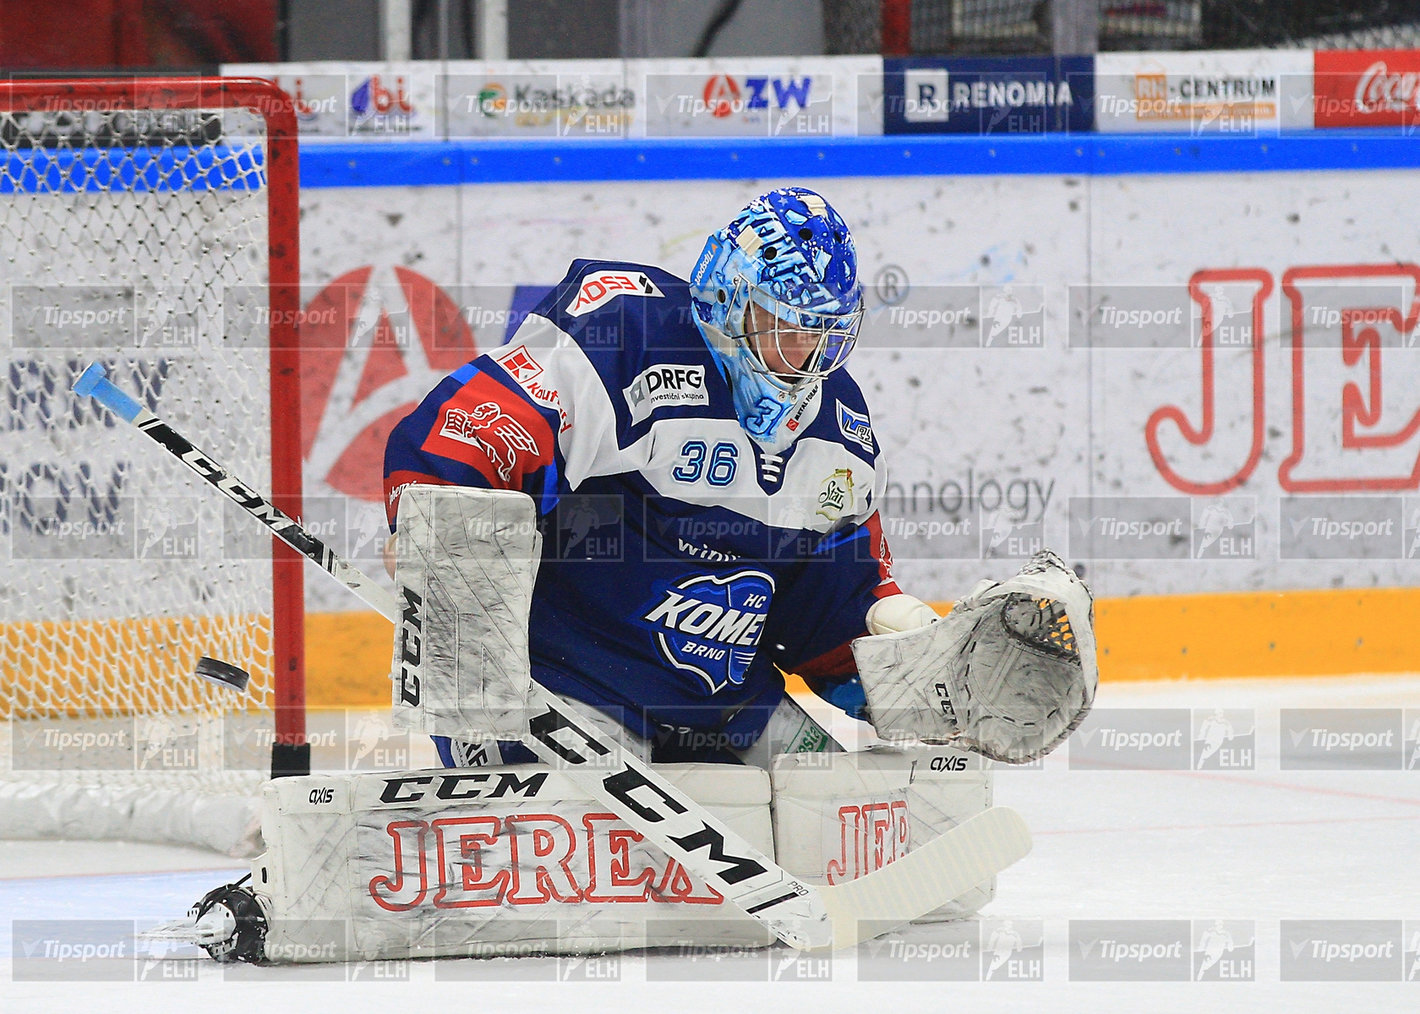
802,915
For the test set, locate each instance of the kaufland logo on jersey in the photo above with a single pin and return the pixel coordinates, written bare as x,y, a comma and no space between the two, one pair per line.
710,625
665,384
526,371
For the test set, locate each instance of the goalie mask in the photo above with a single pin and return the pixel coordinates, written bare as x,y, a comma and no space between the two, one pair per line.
789,255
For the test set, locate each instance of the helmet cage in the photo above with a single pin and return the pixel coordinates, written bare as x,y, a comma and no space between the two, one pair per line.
836,334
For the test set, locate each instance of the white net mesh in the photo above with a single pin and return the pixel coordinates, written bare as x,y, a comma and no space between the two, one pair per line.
138,238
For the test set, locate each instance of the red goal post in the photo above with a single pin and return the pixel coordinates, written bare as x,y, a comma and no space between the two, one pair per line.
153,225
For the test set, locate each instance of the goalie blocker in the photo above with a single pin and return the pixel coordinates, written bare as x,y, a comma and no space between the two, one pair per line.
475,862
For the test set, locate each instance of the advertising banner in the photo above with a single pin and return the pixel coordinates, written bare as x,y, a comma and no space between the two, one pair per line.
345,101
988,95
824,96
1239,92
1367,88
749,97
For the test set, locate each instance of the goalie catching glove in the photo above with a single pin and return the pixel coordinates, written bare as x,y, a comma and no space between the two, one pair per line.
1009,673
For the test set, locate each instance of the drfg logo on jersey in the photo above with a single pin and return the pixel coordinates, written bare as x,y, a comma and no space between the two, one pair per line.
710,625
665,384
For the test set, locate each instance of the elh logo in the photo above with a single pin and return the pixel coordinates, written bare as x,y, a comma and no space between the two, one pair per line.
1224,739
1410,743
1224,950
1012,950
1225,528
1012,316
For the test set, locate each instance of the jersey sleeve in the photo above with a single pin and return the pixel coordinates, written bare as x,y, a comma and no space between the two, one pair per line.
533,415
826,607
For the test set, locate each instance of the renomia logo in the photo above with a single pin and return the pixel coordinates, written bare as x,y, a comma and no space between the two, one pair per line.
710,625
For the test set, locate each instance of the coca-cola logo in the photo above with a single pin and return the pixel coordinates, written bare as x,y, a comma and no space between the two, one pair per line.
1371,88
1378,89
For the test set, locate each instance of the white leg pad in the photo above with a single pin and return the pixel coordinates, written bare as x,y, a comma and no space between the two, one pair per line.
487,861
838,816
465,563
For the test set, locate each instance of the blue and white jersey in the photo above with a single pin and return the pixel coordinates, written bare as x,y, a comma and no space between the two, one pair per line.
683,566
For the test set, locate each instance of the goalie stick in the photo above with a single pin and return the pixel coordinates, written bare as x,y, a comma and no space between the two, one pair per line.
800,914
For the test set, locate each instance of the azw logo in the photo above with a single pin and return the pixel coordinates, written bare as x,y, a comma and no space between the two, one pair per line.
370,353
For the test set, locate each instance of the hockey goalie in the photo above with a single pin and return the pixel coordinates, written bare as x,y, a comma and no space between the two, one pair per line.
657,498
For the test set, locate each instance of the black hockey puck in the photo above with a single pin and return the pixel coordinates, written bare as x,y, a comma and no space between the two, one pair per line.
224,674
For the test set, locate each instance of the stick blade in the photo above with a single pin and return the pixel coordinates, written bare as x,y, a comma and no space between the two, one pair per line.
223,674
928,877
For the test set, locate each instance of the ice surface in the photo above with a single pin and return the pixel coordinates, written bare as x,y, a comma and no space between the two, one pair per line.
1248,847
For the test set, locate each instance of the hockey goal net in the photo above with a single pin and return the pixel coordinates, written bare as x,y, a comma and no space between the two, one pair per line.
150,225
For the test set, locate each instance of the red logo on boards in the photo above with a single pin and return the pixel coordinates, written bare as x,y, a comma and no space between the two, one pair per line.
721,95
369,354
1367,88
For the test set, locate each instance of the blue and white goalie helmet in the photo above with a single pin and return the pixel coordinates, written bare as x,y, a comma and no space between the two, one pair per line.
790,254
